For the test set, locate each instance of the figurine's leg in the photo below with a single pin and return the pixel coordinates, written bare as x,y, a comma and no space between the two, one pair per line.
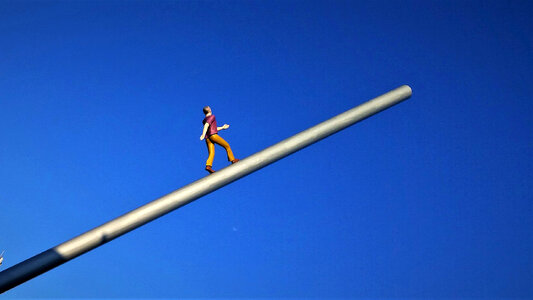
215,138
210,150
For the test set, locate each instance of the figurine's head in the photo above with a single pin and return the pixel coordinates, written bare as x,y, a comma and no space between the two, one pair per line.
207,110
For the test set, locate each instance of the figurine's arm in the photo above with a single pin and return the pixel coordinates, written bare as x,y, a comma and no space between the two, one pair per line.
206,126
225,126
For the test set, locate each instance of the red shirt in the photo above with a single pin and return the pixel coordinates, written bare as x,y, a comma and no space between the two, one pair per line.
212,125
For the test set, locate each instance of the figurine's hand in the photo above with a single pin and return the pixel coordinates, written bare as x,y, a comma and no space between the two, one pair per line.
202,137
225,126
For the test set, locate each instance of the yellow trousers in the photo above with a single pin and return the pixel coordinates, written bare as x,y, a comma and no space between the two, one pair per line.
211,141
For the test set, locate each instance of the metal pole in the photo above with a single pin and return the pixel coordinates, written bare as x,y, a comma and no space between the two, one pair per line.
98,236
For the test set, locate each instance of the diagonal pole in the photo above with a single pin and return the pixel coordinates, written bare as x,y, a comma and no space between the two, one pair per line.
100,235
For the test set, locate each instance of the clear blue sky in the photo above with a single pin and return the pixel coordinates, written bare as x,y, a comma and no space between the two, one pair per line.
101,109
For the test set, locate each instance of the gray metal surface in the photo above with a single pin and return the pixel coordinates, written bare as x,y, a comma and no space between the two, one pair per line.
100,235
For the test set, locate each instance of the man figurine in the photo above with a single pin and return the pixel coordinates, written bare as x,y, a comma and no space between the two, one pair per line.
210,133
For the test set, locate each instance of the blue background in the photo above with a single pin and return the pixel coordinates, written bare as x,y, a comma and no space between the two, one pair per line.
101,109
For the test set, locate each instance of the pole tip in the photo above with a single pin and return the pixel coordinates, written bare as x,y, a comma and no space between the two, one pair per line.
408,88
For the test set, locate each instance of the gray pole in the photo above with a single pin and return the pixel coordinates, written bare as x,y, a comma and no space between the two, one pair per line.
98,236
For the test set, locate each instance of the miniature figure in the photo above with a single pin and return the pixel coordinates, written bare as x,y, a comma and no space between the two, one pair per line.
210,133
